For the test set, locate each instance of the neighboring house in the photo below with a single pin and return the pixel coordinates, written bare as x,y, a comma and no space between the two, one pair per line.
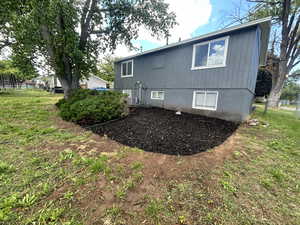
40,81
90,83
53,84
212,75
94,82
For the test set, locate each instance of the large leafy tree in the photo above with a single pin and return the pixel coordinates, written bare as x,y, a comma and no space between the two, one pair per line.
70,34
286,20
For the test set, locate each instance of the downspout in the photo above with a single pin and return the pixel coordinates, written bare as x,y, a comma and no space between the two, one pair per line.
138,99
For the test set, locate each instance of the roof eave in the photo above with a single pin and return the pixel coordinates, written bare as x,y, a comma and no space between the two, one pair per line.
215,33
105,81
265,35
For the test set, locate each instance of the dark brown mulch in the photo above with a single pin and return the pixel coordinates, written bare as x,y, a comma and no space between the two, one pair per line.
160,130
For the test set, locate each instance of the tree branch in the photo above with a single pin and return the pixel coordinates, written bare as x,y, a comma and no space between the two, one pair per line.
265,2
86,24
286,6
296,74
84,12
294,38
45,33
293,58
291,21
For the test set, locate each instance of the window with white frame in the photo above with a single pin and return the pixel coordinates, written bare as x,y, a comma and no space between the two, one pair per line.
158,95
128,92
210,54
205,100
127,68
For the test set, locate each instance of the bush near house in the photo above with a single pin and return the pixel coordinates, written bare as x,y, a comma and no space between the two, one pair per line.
86,107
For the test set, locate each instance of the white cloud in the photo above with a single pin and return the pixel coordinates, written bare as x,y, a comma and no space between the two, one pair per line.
190,14
216,56
123,51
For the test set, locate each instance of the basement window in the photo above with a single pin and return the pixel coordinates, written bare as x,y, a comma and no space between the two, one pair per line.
127,92
127,68
207,100
210,54
158,95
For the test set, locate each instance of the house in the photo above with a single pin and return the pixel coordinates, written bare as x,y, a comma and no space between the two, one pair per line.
212,74
54,85
94,82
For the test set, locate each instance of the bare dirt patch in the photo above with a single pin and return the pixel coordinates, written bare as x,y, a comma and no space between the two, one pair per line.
159,171
160,130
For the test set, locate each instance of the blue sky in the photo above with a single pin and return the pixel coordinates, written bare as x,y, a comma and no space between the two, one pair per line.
195,17
221,9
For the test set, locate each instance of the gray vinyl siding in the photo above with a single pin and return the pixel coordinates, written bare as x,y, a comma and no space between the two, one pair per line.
233,104
169,70
255,63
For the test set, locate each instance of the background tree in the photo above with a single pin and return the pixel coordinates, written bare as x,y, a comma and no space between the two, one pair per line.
105,69
10,68
285,20
70,34
263,83
7,68
291,89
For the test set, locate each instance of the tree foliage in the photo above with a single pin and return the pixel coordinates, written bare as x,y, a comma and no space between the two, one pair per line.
263,83
10,68
291,90
285,20
286,36
70,34
105,69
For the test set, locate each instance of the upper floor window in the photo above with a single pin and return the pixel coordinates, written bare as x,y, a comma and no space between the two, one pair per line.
210,54
127,68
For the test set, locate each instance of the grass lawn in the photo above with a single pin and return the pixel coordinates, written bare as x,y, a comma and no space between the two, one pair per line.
54,172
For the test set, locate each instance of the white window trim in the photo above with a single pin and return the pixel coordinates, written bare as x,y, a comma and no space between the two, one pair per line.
131,75
157,98
206,108
127,90
208,42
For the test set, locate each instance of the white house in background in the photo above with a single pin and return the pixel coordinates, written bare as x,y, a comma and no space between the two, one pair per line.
92,82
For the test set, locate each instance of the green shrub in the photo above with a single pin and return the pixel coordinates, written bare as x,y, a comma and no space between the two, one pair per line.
87,107
76,95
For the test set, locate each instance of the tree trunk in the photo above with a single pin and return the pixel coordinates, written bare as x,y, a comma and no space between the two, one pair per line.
68,84
275,93
266,106
274,97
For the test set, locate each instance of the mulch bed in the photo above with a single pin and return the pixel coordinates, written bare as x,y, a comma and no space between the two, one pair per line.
160,130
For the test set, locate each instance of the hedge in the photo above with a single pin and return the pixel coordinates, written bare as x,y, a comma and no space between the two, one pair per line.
87,107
